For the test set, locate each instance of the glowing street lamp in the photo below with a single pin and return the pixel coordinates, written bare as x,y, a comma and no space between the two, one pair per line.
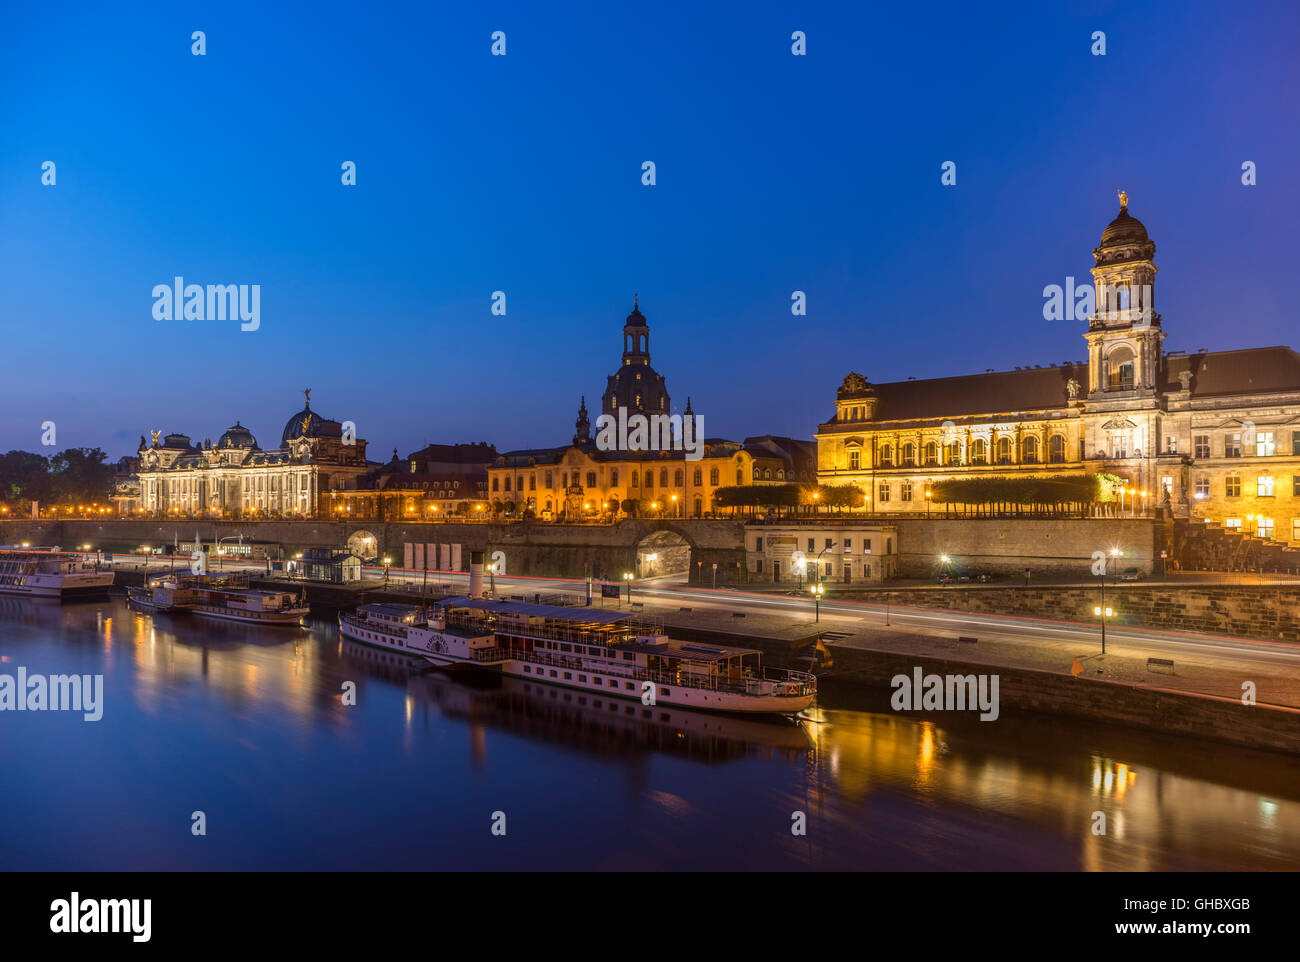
387,564
1103,614
817,591
628,577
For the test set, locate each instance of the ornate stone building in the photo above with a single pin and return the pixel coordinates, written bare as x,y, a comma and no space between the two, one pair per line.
579,481
1215,434
236,478
636,386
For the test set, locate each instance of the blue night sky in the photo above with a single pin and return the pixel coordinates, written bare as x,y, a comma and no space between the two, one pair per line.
523,174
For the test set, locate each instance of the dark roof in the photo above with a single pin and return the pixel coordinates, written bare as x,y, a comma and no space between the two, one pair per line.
1031,389
237,436
1255,370
317,427
476,453
521,609
1259,370
1124,229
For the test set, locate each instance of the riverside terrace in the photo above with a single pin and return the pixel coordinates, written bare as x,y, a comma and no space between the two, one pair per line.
1060,546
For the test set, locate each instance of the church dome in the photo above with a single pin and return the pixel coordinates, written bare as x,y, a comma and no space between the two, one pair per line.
305,424
308,424
237,436
1124,230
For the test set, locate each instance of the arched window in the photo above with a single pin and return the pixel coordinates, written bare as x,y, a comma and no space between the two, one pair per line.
649,479
635,479
1004,450
767,474
931,453
757,474
1056,448
697,478
979,451
677,478
886,456
713,477
909,455
663,477
952,453
591,479
1120,368
780,474
699,507
613,477
1030,450
740,476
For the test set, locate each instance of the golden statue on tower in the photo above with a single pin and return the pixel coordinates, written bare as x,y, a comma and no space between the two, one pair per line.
1123,200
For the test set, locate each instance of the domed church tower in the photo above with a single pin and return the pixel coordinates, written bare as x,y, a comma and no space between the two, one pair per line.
636,386
1124,333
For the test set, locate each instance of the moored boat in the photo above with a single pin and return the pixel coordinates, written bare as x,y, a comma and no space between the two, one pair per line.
51,573
172,592
229,597
586,649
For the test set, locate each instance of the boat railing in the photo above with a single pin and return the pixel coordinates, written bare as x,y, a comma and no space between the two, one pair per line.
748,680
551,632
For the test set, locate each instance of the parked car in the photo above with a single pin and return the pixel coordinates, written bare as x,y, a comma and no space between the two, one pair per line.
1131,574
945,579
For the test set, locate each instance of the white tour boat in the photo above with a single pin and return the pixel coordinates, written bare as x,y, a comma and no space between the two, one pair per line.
583,648
51,573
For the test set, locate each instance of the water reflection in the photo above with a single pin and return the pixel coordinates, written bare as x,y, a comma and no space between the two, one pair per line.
255,721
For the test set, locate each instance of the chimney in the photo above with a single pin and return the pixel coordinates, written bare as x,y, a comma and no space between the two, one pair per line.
476,574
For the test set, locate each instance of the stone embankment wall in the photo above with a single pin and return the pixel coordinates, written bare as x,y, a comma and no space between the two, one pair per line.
1199,716
1244,611
1010,546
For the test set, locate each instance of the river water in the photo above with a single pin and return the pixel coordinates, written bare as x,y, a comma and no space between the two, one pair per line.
248,726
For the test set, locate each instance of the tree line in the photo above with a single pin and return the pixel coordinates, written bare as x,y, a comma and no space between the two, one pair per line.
74,476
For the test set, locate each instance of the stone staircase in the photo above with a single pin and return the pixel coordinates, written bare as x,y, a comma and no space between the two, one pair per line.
1201,545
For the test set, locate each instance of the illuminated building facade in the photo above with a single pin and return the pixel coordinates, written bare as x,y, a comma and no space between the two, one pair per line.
1214,435
237,478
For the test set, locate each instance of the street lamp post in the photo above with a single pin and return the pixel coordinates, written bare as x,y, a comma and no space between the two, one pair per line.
387,563
1103,613
628,576
817,590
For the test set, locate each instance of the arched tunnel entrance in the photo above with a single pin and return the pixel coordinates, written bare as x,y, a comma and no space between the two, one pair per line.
364,545
663,554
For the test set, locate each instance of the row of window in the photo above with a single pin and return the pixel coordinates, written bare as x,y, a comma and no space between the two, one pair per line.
1264,486
1263,527
575,479
1003,453
830,543
809,569
1265,444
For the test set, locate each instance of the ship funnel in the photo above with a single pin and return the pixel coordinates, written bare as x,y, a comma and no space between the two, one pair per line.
476,574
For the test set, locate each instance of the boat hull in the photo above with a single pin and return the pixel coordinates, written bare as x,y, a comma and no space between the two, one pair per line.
85,587
697,699
291,618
